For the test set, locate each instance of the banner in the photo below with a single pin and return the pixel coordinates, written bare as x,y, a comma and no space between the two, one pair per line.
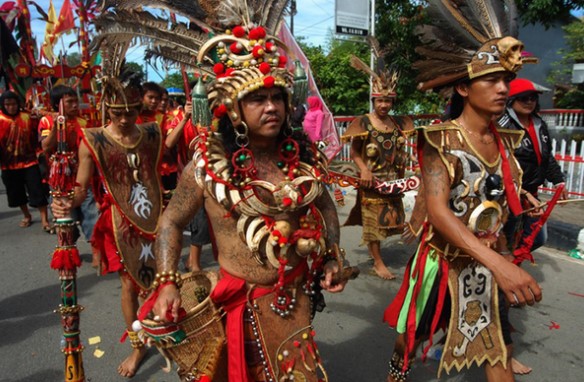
329,131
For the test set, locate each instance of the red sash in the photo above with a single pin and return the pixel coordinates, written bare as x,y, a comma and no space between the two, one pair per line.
232,294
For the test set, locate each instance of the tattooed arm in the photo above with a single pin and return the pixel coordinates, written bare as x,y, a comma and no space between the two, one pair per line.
185,202
358,125
518,286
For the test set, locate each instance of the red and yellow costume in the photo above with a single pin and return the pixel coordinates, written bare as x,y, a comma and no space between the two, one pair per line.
72,133
18,141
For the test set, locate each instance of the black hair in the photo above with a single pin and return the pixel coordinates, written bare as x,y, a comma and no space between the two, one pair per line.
456,102
58,93
164,91
514,98
6,96
152,87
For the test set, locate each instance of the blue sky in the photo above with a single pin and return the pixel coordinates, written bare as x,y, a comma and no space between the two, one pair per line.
314,20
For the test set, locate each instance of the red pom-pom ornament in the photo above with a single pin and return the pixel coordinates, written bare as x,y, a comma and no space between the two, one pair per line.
239,31
282,61
258,51
229,72
257,33
220,111
235,47
269,82
218,68
265,68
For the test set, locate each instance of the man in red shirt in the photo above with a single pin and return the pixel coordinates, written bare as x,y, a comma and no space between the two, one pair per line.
87,213
18,160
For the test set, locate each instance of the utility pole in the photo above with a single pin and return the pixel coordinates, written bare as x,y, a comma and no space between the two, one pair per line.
292,14
372,57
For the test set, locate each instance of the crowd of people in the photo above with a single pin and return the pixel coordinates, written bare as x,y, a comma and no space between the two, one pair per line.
239,175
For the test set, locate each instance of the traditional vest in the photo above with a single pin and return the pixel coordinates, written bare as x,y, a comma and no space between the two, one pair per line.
131,179
384,151
478,199
477,195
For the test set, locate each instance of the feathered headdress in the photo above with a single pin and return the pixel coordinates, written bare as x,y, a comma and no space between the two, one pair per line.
231,39
468,39
384,79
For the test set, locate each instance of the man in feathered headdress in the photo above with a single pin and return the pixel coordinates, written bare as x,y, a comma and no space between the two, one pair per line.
126,156
471,180
260,182
378,147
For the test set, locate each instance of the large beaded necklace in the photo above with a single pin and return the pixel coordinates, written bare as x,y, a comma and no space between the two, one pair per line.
268,239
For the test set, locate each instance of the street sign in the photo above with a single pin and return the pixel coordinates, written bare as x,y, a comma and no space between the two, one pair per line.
352,17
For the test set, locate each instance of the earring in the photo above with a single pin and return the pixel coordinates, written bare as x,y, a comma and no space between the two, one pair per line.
242,160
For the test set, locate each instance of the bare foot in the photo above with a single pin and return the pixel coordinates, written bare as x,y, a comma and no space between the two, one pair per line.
25,222
129,366
381,271
519,368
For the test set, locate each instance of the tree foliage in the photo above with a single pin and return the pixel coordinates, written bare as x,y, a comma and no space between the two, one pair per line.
137,68
395,29
344,89
175,80
547,12
568,96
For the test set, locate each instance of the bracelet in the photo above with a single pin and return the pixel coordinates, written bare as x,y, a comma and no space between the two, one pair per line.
165,277
397,371
332,254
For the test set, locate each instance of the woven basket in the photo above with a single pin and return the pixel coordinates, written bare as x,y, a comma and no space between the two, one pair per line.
200,352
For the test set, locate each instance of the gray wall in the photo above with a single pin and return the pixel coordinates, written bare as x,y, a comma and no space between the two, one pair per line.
544,44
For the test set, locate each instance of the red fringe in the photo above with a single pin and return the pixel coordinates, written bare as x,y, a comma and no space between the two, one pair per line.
67,259
62,173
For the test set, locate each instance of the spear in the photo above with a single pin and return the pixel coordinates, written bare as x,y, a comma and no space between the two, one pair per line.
66,258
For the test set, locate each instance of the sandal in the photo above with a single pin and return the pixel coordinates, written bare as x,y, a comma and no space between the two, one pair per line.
49,229
25,223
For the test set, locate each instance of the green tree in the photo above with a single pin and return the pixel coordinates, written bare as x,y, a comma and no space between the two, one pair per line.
568,96
175,80
395,25
344,89
135,67
547,12
73,59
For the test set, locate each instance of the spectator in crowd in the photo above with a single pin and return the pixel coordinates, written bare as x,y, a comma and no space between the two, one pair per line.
18,161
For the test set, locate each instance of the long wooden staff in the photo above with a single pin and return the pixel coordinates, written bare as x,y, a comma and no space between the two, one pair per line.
66,258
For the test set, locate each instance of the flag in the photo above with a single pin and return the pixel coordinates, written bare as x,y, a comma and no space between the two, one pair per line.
47,48
66,22
329,130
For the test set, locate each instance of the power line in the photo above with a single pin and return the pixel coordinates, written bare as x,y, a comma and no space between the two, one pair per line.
319,22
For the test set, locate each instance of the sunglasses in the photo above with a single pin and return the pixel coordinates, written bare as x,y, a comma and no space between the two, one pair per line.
528,98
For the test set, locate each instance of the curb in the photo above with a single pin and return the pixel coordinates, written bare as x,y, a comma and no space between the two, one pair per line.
564,236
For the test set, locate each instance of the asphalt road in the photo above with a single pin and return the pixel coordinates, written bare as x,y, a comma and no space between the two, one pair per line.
354,342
